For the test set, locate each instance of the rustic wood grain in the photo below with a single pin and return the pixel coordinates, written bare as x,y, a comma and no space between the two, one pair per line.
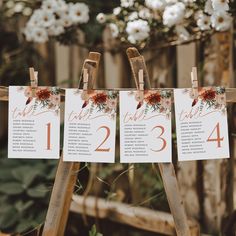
138,217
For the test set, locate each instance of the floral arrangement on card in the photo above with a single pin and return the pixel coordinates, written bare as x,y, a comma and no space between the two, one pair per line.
153,101
211,97
45,97
101,101
55,18
146,21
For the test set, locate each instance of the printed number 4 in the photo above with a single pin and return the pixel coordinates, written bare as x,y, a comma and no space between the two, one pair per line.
160,137
218,139
108,132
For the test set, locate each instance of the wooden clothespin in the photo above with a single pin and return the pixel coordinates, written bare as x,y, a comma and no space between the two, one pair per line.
194,81
85,79
33,80
141,84
85,95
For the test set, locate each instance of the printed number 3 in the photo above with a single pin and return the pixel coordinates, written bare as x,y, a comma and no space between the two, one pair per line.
160,137
108,132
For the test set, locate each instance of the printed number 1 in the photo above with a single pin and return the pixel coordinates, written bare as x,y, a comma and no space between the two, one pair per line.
48,136
218,139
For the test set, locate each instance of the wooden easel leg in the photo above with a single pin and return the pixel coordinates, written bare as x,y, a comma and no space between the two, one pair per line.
174,199
58,209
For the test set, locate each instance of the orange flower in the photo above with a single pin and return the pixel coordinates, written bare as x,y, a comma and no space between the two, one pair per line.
208,95
153,99
99,98
43,94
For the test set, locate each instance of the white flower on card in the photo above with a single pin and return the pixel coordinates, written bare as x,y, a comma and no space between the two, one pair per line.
137,30
116,11
220,5
174,14
101,18
127,3
114,30
48,18
145,13
204,22
155,4
221,21
79,13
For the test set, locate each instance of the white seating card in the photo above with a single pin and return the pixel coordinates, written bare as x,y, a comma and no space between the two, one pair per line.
201,124
145,126
90,126
34,123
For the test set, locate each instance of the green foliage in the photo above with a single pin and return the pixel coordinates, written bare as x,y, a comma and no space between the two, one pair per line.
25,187
93,231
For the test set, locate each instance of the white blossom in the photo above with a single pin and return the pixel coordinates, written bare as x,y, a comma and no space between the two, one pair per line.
155,4
221,21
56,29
39,35
127,3
49,5
204,22
36,19
145,13
208,7
101,18
220,5
170,2
173,14
48,18
133,16
114,30
79,13
18,7
182,33
27,11
66,21
116,11
137,30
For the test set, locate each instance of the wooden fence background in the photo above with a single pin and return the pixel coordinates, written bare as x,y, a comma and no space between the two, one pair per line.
207,187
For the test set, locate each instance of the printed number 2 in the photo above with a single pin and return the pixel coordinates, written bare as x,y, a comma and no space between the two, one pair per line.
218,139
108,132
160,137
48,136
